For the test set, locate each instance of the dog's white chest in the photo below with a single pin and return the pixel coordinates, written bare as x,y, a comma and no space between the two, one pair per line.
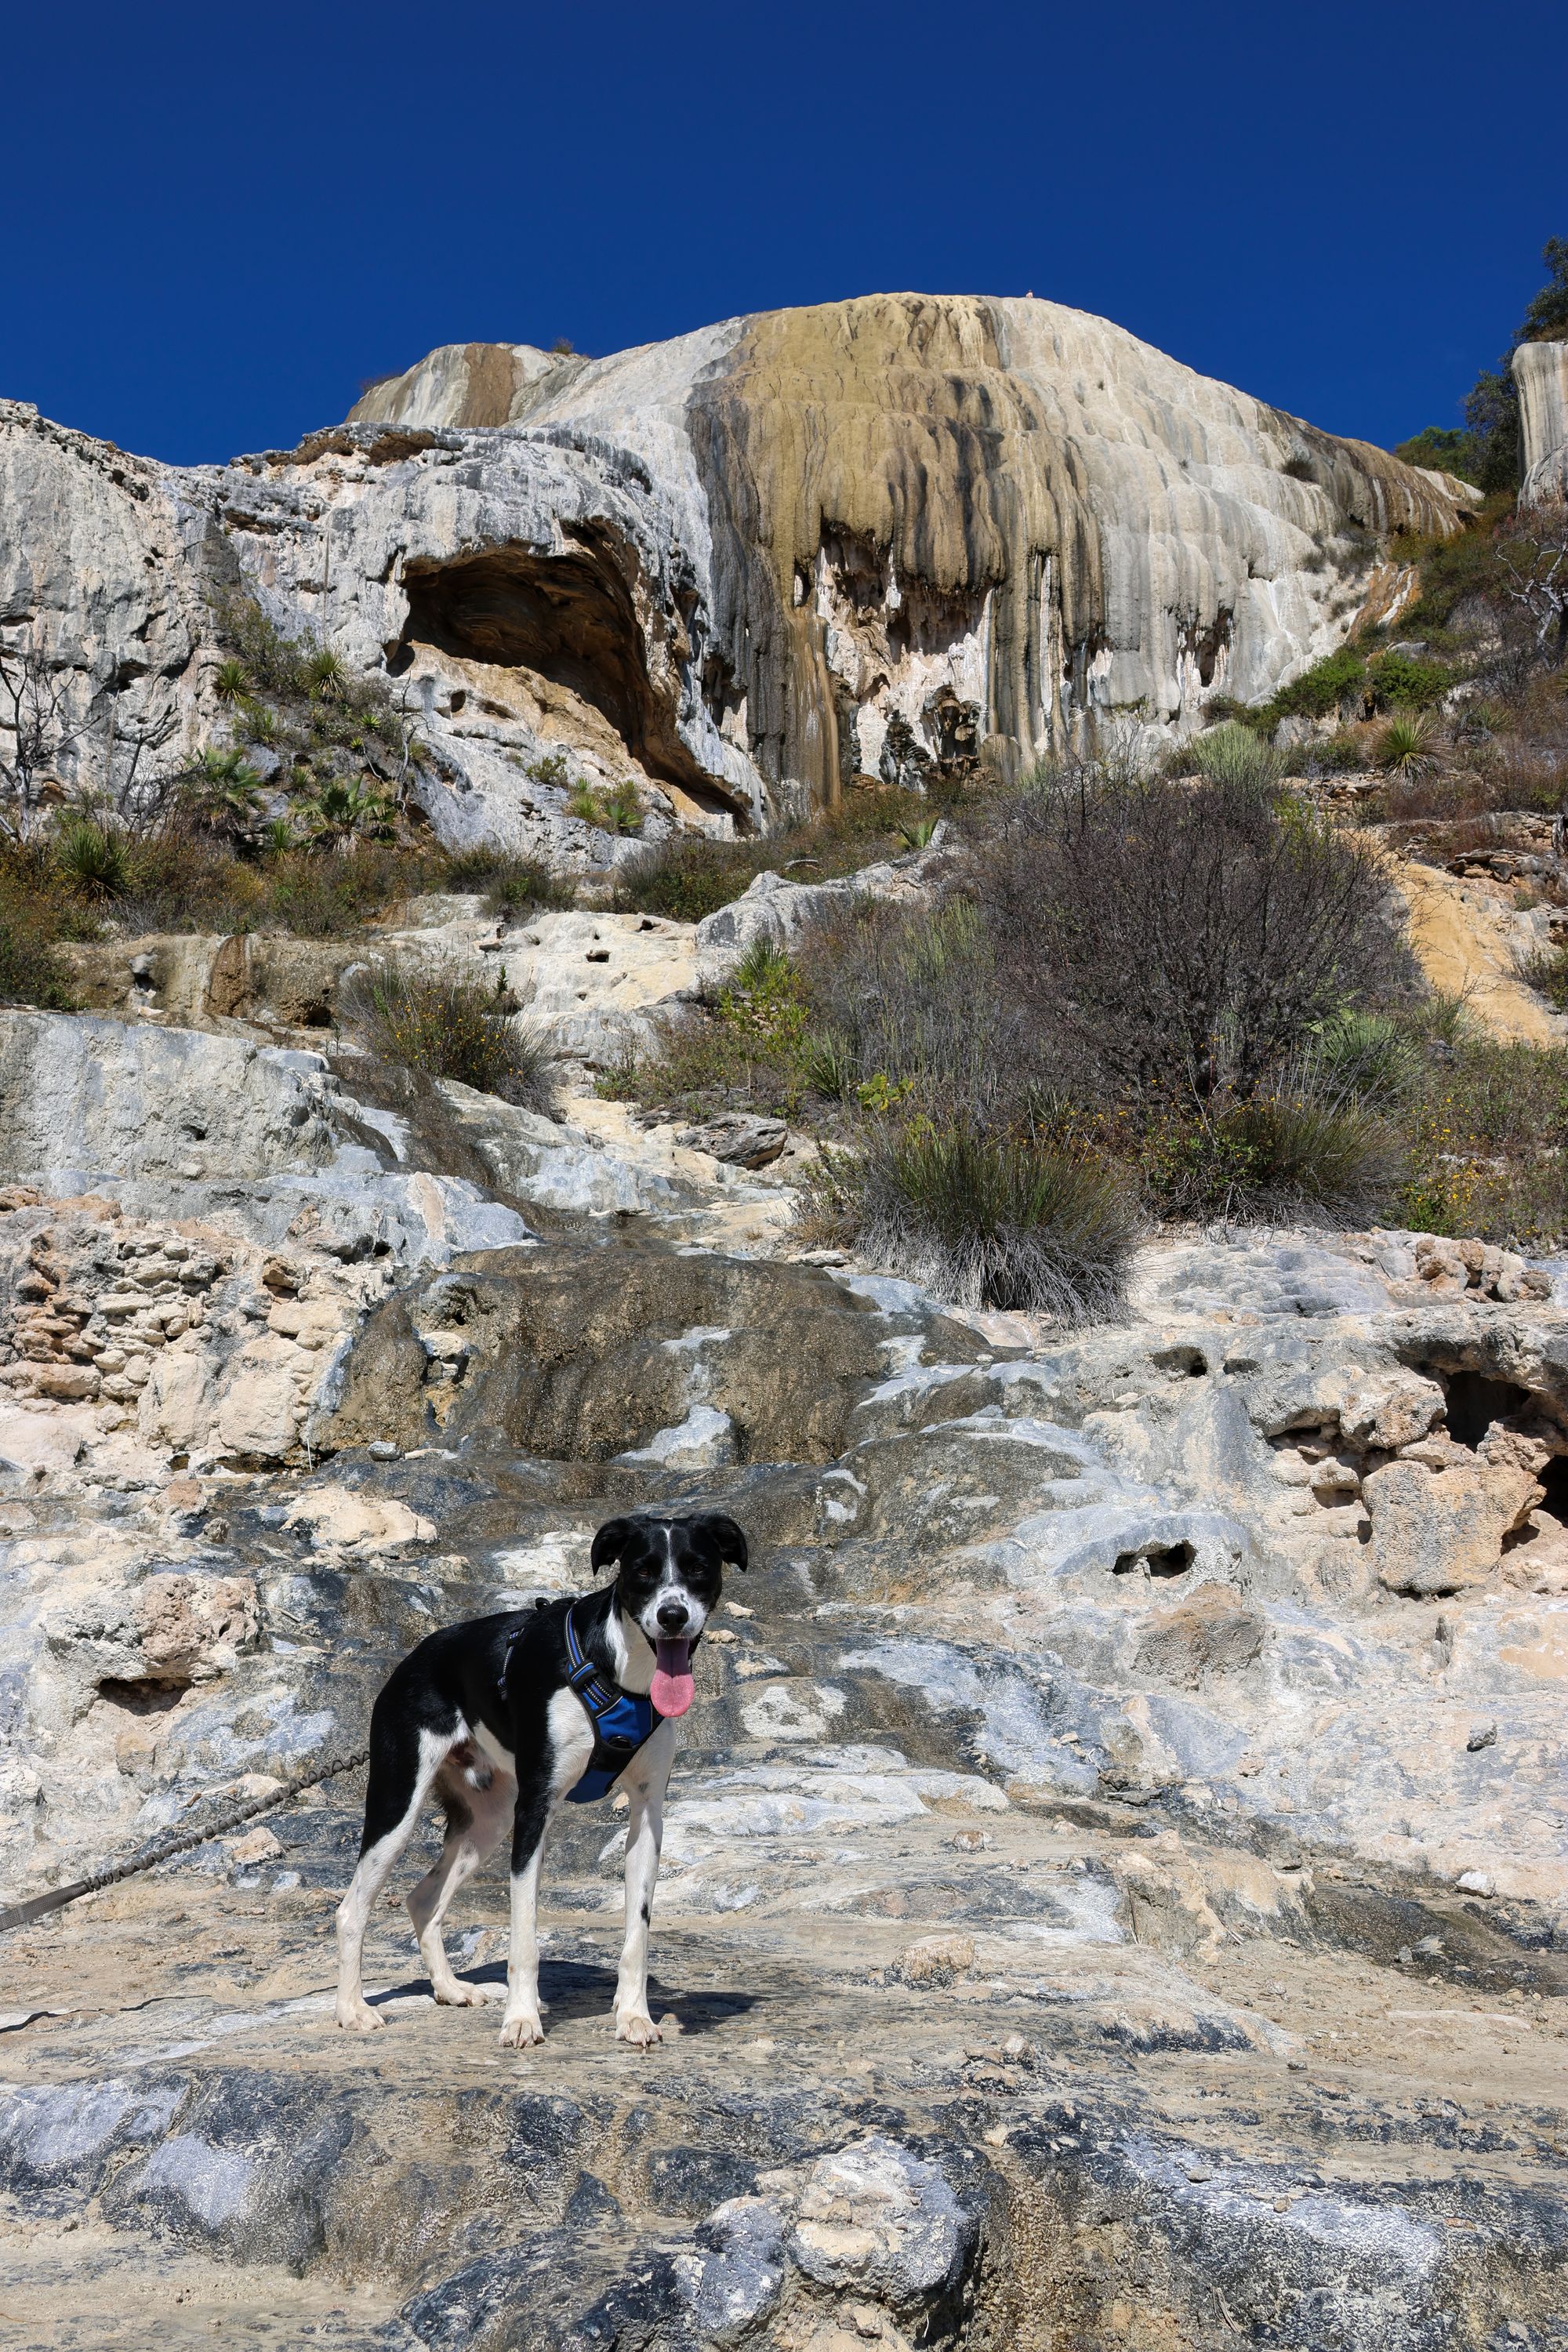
571,1741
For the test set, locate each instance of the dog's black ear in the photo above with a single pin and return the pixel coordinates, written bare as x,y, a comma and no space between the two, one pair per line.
609,1543
727,1536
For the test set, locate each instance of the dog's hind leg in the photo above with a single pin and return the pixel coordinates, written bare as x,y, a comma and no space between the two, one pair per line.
404,1761
476,1816
645,1782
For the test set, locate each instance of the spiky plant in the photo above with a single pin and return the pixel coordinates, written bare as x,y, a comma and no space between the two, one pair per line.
325,676
1403,747
1233,754
222,789
614,808
231,681
93,860
339,809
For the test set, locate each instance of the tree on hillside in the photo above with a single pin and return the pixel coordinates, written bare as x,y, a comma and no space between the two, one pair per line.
33,715
1488,452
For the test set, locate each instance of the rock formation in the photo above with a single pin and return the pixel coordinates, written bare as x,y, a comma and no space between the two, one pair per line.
1117,1873
886,539
1540,374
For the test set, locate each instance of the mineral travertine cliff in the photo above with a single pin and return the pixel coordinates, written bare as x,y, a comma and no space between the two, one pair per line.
882,539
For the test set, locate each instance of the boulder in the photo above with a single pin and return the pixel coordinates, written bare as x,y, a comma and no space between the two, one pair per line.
741,1137
1436,1531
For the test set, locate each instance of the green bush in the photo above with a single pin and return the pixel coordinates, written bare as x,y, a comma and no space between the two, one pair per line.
449,1028
31,971
1338,679
986,1223
1285,1156
1547,971
1367,1057
1234,754
1403,682
515,887
1445,450
614,808
686,877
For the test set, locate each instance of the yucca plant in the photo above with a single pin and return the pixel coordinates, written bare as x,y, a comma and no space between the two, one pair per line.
1402,748
231,681
92,858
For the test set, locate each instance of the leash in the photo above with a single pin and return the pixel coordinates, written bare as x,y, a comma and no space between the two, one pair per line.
165,1849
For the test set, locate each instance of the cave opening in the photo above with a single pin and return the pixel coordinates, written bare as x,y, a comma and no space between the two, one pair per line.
568,618
1158,1559
1476,1400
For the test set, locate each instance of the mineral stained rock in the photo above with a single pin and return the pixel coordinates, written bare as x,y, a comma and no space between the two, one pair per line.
1540,372
892,538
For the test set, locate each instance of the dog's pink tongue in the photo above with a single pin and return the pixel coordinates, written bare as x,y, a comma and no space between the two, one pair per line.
673,1688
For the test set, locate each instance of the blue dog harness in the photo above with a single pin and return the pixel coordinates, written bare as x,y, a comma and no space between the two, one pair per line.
622,1722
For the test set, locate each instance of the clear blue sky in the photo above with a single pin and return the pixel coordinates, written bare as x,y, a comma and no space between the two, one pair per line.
218,221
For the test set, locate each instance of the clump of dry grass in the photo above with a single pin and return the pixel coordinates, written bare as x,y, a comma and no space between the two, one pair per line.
448,1027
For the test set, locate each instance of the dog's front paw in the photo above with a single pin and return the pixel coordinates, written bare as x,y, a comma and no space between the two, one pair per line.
521,2032
637,2027
356,2016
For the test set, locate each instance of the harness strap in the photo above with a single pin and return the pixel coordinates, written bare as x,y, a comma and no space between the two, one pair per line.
622,1720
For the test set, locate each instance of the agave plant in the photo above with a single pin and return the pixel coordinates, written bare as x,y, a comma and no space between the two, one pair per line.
917,834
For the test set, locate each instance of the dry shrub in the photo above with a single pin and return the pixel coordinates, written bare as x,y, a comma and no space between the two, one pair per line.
986,1223
1176,943
450,1028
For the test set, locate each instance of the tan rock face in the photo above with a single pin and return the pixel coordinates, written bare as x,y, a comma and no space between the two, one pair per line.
1436,1531
193,1628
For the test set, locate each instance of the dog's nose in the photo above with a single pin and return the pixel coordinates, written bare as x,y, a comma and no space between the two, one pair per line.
672,1615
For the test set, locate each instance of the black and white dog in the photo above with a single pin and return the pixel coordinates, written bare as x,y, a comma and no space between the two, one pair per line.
517,1713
